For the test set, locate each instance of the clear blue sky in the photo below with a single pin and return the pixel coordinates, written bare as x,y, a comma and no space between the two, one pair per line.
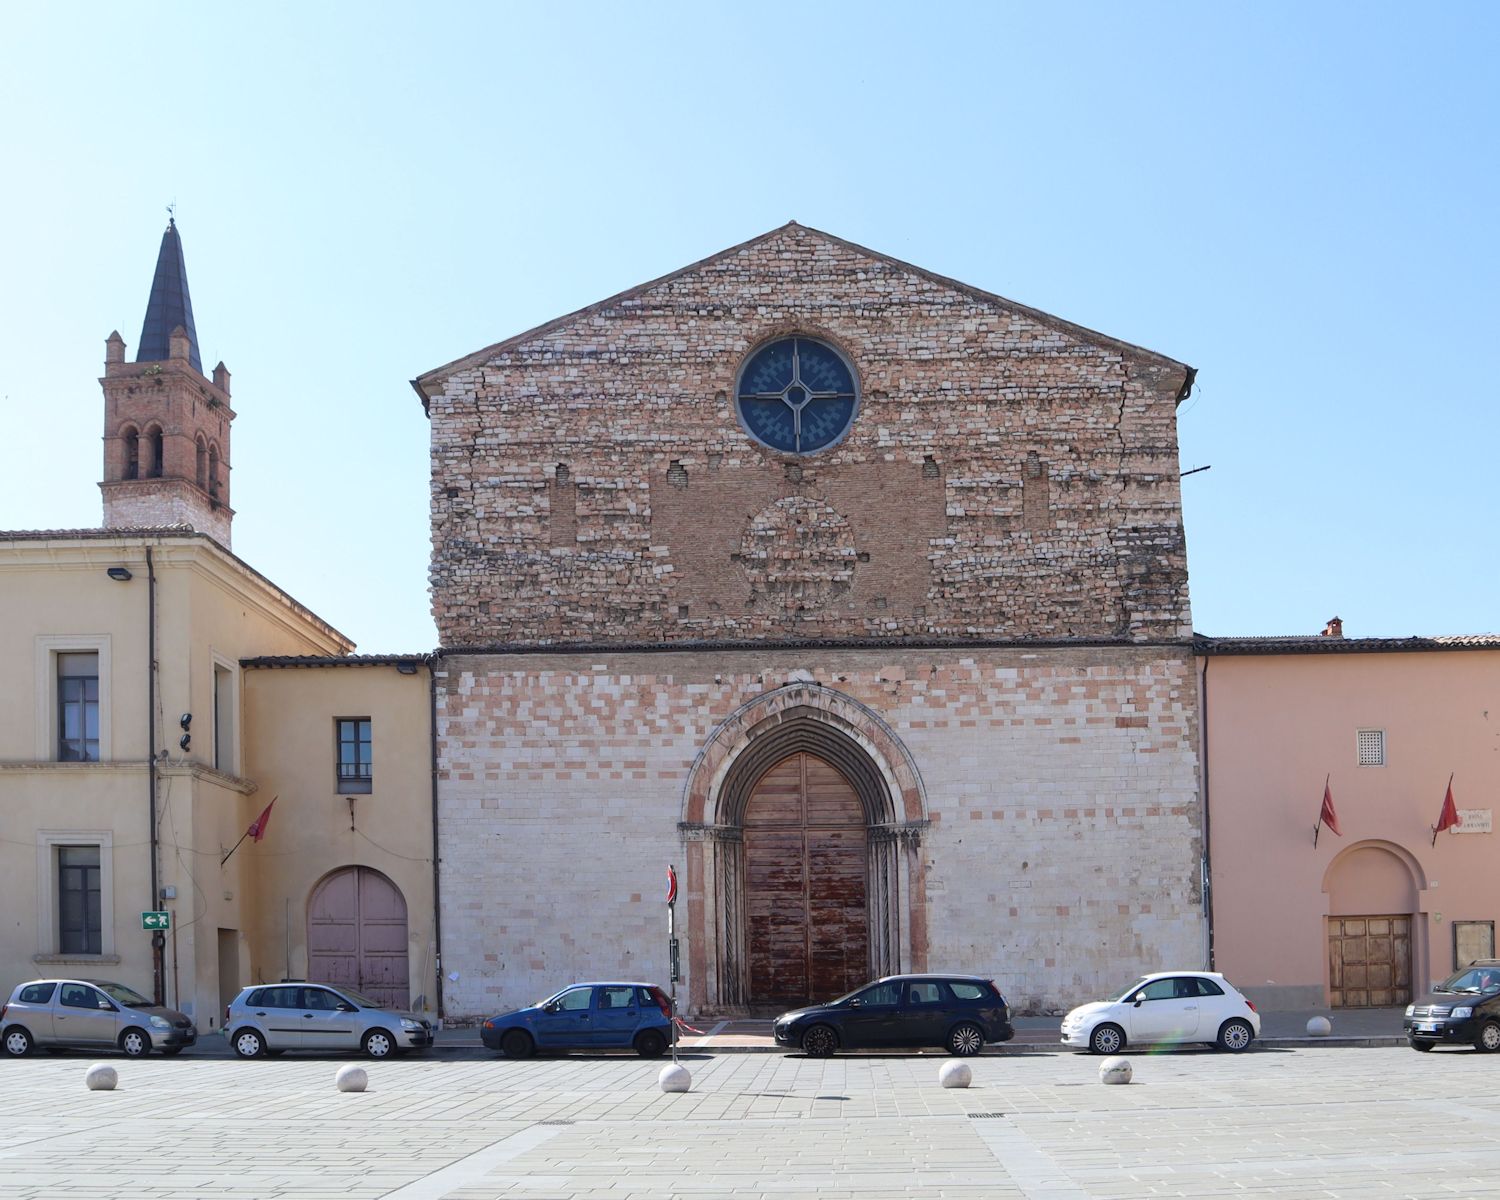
1299,200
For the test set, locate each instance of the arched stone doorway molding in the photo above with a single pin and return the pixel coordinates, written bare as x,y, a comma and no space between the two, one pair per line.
356,935
1374,926
808,718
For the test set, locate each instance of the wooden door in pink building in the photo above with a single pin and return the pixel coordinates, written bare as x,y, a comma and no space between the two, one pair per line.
1369,961
356,936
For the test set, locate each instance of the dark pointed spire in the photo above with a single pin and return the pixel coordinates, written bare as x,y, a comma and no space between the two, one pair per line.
170,305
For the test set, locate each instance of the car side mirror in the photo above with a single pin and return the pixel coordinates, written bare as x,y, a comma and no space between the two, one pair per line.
549,1008
347,1008
855,1003
1139,996
107,1006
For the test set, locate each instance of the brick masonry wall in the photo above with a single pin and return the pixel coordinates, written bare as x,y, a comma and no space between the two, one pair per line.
150,503
1006,475
1062,855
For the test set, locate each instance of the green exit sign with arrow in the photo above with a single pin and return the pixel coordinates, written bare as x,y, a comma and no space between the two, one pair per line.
156,920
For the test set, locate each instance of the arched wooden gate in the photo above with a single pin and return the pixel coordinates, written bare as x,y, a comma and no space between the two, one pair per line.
806,857
356,935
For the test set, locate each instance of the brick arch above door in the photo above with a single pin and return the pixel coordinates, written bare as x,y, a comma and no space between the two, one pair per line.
810,707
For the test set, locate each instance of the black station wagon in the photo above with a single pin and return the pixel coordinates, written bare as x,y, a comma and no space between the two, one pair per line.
1463,1010
961,1013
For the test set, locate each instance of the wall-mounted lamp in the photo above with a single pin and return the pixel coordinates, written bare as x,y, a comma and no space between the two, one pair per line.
119,574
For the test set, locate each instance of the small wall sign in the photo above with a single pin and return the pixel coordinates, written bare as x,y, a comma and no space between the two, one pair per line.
1474,820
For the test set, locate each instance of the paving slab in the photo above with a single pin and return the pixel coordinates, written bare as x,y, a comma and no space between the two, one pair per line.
1378,1121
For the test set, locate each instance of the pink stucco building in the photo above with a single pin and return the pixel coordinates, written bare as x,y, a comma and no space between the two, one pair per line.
1370,914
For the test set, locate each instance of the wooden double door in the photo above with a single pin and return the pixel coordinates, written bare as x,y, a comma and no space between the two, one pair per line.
356,936
806,840
1369,961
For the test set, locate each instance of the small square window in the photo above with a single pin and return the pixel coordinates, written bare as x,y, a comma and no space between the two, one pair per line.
1371,747
355,761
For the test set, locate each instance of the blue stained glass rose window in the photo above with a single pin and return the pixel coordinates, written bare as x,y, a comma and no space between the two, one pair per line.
797,395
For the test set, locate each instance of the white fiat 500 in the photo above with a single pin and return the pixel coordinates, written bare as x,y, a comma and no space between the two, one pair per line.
1168,1006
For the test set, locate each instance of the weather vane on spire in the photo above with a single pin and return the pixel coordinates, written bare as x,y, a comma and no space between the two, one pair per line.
172,213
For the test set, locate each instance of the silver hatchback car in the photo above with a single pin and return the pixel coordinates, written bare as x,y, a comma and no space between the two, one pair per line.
90,1014
318,1016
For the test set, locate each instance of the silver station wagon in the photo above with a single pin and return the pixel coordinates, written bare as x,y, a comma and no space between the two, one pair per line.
90,1014
319,1016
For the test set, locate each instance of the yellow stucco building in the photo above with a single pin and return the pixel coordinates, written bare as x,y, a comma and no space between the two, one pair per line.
158,693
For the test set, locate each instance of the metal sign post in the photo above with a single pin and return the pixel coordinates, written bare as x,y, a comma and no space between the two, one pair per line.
672,958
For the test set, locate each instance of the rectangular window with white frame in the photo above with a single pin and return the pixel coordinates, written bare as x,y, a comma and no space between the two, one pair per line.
75,910
72,698
355,755
1370,747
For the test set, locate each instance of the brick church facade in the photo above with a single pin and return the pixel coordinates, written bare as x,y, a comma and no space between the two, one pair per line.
857,593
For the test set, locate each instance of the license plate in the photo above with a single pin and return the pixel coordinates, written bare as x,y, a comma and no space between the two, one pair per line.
1427,1027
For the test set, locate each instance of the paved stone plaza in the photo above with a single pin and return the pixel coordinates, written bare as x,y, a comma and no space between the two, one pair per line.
1321,1122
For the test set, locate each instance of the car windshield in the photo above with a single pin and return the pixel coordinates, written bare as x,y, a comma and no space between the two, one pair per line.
1129,992
121,994
1477,981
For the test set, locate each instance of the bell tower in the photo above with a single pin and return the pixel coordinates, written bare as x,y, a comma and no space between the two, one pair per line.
166,424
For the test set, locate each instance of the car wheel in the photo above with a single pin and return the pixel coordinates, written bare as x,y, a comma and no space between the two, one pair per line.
1235,1036
1488,1040
135,1043
820,1041
379,1043
517,1043
18,1041
650,1044
1424,1047
249,1044
1107,1039
966,1040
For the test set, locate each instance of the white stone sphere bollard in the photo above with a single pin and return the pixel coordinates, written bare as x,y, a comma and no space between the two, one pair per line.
1115,1070
351,1079
1319,1027
674,1077
101,1077
955,1074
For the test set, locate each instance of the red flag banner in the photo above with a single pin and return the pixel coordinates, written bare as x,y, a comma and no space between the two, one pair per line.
257,828
1448,818
1327,815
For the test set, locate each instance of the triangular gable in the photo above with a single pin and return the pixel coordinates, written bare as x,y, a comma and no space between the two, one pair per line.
428,383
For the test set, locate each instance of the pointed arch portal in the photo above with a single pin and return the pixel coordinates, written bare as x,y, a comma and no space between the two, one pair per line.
804,864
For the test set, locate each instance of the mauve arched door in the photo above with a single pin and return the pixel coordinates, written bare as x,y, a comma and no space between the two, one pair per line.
356,935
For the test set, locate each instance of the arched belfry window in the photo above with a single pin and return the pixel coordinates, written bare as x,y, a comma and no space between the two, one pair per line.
797,395
213,471
131,466
153,453
202,465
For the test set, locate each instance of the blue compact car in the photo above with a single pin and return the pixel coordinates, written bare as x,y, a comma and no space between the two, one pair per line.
586,1016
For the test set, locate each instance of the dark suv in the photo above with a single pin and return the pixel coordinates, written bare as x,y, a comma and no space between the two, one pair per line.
958,1012
1463,1010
